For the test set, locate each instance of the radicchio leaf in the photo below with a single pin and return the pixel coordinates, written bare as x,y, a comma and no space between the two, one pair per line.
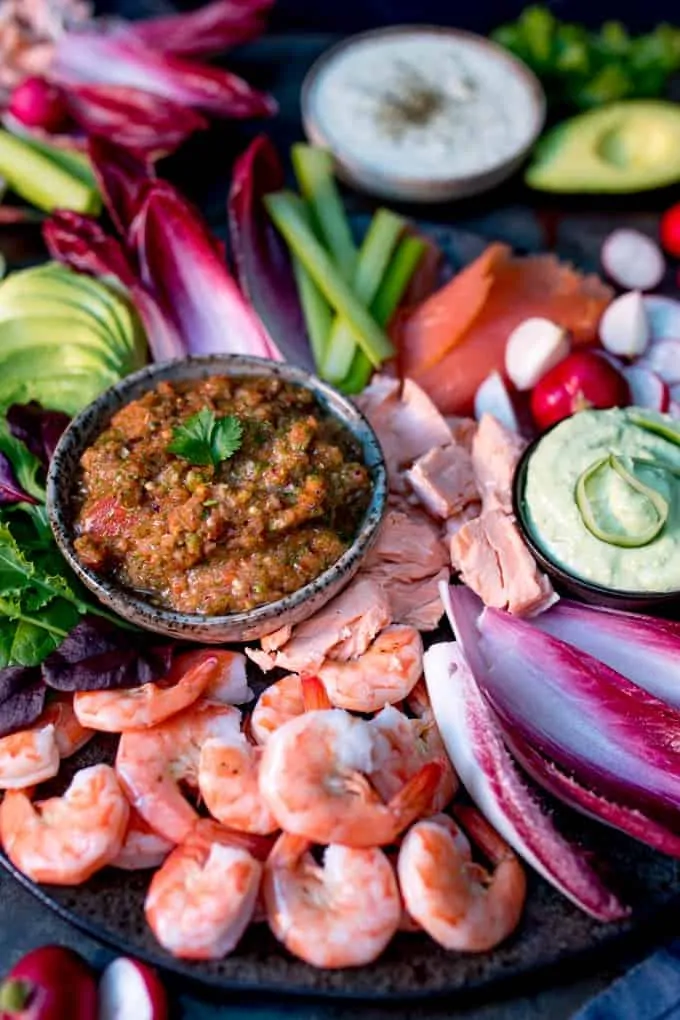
22,698
114,60
37,428
81,243
139,121
10,489
181,265
97,656
262,261
209,30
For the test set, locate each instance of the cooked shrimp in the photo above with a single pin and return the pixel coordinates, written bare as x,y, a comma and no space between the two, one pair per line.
458,903
314,696
142,847
64,840
136,708
278,703
313,776
229,684
202,899
69,734
411,743
152,763
228,780
28,757
385,673
342,913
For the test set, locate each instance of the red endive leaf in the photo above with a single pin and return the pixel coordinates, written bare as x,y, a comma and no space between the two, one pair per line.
262,262
112,60
209,30
181,265
133,119
121,176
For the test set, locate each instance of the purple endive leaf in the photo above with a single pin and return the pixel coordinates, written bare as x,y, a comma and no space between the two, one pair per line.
121,176
644,649
613,737
262,261
22,698
137,120
567,789
181,265
97,655
209,30
10,489
473,742
81,243
112,60
37,428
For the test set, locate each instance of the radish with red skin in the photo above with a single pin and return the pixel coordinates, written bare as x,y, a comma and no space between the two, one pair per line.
669,231
37,103
584,379
664,359
129,990
492,397
49,983
633,260
647,389
624,329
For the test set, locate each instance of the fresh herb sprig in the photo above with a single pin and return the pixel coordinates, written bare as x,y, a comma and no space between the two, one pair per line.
204,439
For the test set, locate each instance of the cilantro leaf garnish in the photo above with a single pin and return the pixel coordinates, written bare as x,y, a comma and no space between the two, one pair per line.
204,439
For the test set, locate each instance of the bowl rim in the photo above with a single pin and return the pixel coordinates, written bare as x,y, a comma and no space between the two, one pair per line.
98,417
357,170
544,559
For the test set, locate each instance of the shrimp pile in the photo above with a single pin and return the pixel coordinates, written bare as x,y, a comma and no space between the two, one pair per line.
337,829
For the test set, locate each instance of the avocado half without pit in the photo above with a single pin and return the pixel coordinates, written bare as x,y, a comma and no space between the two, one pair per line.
624,147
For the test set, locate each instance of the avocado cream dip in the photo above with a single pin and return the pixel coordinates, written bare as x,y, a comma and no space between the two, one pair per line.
602,498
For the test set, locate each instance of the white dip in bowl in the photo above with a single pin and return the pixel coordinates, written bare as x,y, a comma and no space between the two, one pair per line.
422,113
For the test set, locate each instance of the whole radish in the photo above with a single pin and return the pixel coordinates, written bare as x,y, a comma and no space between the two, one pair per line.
49,983
37,103
584,379
669,231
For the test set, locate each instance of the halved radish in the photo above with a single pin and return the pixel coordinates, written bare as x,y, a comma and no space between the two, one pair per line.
492,397
624,329
130,990
664,359
675,394
533,348
674,409
633,260
647,389
663,315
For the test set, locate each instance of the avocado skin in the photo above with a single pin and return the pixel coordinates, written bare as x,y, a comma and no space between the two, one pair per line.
619,148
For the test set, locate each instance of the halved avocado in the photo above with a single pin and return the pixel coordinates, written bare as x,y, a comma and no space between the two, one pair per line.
57,339
623,147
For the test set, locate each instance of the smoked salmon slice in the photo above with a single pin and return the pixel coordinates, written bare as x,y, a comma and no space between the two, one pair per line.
454,339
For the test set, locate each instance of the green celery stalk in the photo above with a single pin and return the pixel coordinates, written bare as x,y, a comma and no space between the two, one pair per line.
317,313
394,283
288,214
41,181
374,257
314,171
73,162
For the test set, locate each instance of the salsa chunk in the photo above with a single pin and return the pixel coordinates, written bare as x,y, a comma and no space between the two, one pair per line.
229,523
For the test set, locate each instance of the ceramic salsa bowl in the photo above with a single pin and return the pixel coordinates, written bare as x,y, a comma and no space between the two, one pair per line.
654,602
244,626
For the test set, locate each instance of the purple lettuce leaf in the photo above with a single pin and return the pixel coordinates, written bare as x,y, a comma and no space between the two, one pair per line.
263,266
37,428
22,698
98,655
10,489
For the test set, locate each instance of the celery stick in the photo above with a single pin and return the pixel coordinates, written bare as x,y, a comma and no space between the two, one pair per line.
73,162
317,313
42,182
314,171
394,284
374,256
287,212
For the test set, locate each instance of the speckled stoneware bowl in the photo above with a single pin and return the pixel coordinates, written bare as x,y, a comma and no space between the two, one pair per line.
654,602
84,429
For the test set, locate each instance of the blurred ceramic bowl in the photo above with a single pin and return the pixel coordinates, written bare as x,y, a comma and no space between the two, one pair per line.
353,158
243,626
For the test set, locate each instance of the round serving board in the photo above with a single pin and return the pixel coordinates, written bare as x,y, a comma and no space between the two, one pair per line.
111,907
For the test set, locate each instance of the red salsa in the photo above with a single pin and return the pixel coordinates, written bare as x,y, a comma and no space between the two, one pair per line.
212,531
